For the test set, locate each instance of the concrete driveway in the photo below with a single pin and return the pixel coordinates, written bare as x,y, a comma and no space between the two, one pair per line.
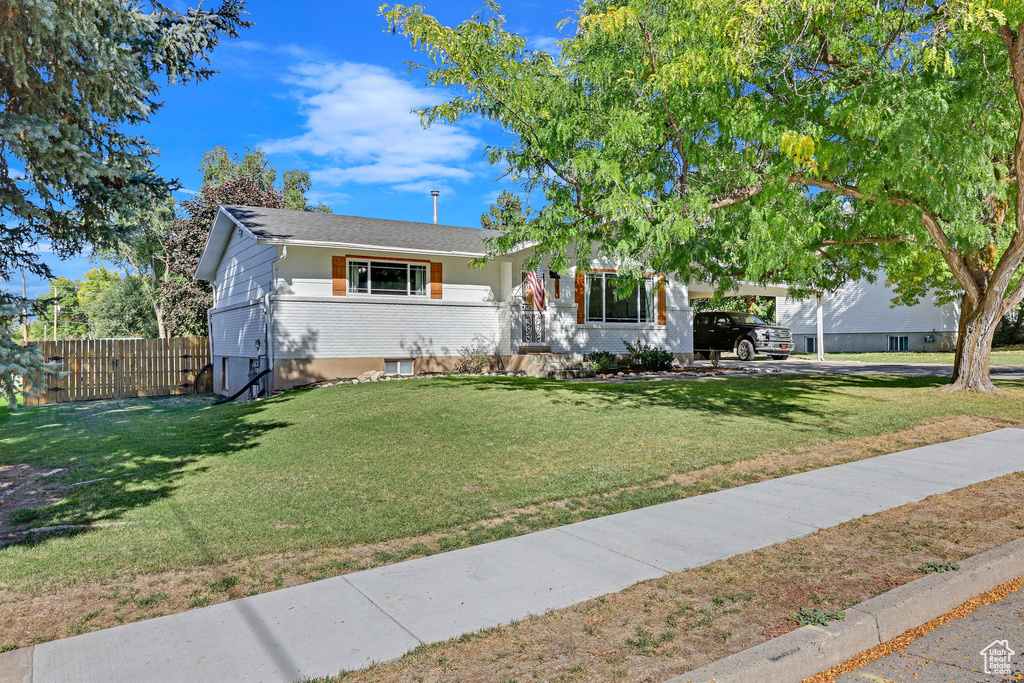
806,367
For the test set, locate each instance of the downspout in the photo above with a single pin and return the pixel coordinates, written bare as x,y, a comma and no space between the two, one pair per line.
209,331
269,316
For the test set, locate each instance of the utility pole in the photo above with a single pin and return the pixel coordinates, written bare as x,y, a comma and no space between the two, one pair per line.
56,314
24,310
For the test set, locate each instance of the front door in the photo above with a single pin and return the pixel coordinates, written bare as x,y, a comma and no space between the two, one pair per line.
532,319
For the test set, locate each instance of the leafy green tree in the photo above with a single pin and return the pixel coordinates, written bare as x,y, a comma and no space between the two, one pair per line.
787,140
506,213
60,305
184,299
144,249
123,310
764,307
248,180
76,80
95,282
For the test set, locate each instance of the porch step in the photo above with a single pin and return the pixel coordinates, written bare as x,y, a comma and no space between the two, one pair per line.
534,349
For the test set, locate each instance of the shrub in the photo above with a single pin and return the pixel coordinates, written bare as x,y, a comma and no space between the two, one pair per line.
636,351
472,359
656,360
601,361
643,356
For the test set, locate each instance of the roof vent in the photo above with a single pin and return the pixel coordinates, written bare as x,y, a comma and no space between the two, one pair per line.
434,193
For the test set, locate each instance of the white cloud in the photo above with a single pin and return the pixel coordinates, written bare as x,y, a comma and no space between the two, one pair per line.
547,44
360,118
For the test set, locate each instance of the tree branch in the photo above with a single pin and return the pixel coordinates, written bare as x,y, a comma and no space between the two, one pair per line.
870,240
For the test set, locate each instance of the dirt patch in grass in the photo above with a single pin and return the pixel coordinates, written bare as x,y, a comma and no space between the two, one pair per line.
59,611
24,489
665,627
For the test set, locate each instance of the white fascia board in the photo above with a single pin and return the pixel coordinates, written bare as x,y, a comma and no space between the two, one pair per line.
218,240
369,247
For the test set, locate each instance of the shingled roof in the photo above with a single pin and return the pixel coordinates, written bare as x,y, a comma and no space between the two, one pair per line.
284,226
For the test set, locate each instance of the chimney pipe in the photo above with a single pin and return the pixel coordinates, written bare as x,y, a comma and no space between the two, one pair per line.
434,193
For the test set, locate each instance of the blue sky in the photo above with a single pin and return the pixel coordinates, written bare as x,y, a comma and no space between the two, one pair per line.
321,87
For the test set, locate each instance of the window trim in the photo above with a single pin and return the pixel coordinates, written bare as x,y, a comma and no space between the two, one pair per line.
352,289
399,361
902,343
604,273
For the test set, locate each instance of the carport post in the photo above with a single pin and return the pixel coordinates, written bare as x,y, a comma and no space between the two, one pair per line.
821,331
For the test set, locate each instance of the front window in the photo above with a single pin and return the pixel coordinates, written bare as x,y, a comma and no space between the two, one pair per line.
385,277
604,306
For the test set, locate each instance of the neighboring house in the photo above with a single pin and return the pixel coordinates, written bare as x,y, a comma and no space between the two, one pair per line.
317,296
860,317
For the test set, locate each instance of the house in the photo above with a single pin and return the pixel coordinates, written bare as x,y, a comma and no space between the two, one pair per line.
860,317
317,296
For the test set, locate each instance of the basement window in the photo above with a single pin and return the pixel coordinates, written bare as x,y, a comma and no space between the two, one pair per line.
810,344
398,367
899,342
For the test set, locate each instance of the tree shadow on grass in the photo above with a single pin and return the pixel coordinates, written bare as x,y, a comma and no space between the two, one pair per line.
116,456
793,399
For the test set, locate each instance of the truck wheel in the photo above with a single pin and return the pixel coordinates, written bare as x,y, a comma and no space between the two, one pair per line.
745,350
786,357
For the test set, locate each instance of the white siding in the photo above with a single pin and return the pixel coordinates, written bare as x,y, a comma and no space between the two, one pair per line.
244,272
566,336
860,307
234,331
350,327
307,271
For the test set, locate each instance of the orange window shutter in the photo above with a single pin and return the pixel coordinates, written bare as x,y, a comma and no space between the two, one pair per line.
662,305
435,280
339,276
581,297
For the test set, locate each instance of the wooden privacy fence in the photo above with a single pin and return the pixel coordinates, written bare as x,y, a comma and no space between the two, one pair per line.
122,368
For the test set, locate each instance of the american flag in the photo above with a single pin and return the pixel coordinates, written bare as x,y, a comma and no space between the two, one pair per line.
537,290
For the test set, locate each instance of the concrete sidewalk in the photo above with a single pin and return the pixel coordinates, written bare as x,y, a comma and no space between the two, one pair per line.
351,621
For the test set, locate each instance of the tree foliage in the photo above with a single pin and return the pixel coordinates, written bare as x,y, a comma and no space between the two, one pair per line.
123,310
75,79
801,141
506,213
248,180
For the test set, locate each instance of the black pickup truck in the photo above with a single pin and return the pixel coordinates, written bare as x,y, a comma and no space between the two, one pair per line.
744,334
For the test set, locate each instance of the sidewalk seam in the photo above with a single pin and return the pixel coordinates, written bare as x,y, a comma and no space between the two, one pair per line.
615,552
384,612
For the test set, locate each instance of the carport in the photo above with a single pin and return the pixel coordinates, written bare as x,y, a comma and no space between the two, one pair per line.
704,290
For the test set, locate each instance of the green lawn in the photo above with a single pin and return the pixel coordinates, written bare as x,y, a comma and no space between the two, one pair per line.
1007,355
201,484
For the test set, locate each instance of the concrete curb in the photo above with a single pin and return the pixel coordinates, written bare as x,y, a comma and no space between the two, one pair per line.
16,666
809,650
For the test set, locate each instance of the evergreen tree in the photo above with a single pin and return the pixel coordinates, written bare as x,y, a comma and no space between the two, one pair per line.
75,76
506,213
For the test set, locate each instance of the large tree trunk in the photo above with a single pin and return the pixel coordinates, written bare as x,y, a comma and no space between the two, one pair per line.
974,345
160,326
